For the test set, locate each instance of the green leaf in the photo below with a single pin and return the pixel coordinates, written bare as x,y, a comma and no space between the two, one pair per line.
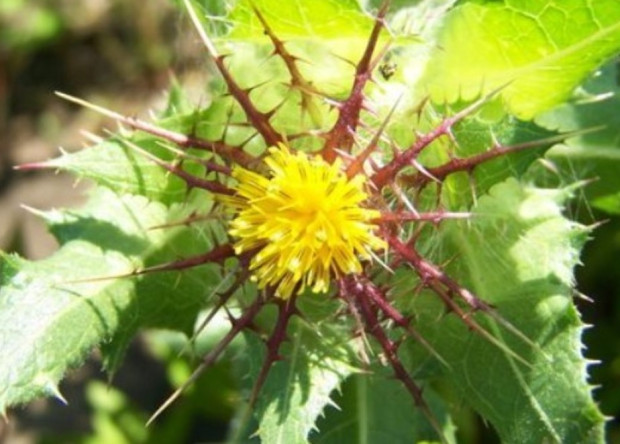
517,253
539,51
334,20
115,165
299,387
594,155
49,321
478,134
376,408
328,35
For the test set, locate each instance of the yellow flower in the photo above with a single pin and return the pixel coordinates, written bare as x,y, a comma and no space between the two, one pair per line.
305,220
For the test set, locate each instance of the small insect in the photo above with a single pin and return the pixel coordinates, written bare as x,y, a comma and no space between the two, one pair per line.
388,69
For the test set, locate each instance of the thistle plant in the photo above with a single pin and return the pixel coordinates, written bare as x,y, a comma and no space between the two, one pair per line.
361,215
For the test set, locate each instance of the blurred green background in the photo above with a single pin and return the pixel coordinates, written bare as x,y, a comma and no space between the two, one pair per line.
121,54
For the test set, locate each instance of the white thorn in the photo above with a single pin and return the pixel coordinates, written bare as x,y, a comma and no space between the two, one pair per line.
424,171
201,32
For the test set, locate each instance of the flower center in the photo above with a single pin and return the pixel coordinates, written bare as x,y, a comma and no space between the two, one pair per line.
305,220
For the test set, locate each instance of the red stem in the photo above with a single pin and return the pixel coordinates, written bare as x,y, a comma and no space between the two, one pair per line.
286,309
340,137
389,347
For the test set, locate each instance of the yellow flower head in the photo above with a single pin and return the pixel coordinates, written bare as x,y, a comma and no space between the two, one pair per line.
305,219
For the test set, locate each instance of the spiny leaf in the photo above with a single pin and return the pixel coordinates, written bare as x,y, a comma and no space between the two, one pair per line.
595,155
374,409
326,20
49,321
300,386
540,50
322,34
517,253
112,163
